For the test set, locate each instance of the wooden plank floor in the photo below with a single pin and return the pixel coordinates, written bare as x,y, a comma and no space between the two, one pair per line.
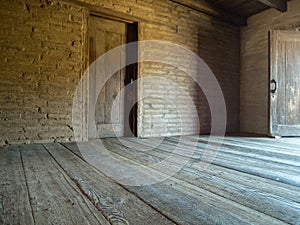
252,180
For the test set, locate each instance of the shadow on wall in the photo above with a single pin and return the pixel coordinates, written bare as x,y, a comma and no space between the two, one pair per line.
222,57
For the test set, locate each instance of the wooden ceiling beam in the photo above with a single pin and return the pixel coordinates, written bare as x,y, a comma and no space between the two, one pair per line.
280,5
208,9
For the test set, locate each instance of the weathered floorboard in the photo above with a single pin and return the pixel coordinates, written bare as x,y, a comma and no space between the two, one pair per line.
55,185
290,144
240,193
255,150
259,183
275,171
14,200
218,170
263,146
55,199
188,204
117,204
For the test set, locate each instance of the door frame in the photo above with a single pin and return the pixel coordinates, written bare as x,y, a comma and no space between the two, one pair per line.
83,88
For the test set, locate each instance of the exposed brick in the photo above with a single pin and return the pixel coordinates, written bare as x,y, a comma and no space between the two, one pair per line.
41,63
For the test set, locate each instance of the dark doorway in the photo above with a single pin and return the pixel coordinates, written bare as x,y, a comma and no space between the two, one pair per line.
130,129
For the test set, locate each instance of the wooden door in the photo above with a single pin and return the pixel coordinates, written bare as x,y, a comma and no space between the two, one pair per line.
285,83
105,35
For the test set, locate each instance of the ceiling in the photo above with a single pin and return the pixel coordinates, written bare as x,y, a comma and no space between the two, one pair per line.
233,11
242,8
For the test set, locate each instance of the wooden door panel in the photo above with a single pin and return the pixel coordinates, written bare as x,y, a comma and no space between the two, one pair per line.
285,83
115,84
293,83
105,35
280,84
99,50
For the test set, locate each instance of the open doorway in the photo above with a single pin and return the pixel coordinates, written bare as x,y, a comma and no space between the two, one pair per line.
104,35
285,83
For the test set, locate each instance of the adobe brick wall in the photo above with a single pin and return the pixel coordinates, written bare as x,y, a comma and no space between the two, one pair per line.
41,44
42,57
254,65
